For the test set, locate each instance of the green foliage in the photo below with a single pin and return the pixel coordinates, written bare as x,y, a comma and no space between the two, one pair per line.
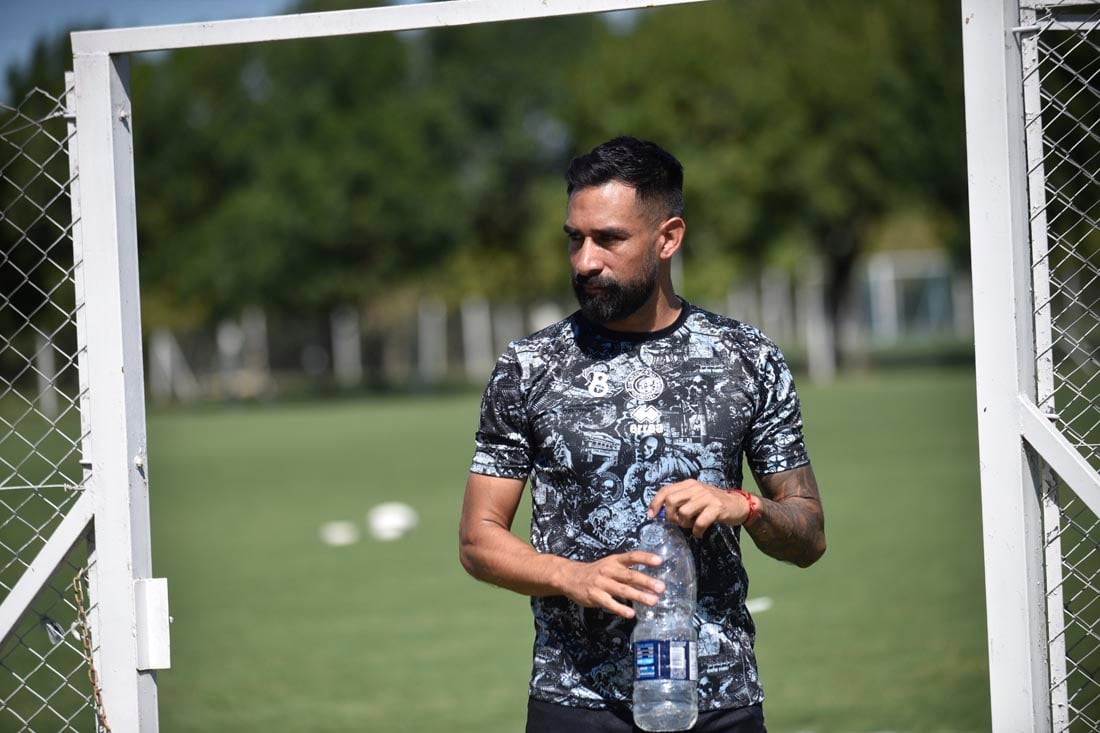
305,174
795,123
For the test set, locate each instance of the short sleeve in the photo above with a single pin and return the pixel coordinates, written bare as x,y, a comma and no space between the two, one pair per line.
775,441
503,448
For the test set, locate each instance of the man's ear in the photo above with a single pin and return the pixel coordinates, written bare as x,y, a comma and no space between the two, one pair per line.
670,236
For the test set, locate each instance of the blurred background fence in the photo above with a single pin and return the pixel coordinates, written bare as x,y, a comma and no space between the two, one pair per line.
904,307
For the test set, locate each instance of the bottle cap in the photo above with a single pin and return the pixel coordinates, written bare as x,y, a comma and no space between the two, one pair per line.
661,514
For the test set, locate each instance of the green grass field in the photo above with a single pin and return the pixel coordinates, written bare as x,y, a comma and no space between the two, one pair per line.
274,631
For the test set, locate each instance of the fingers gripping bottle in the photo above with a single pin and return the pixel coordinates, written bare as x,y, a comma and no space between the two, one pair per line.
664,641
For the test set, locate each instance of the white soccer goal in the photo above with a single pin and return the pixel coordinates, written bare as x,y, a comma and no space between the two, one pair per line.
74,538
1033,146
75,534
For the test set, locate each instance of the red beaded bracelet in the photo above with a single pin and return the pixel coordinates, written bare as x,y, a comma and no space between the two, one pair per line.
753,511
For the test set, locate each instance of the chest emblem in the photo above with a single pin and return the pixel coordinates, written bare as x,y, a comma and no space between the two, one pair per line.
647,421
645,385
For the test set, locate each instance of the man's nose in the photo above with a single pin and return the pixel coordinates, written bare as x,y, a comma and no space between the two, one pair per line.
586,259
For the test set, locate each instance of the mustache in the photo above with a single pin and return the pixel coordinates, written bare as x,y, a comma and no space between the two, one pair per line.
596,281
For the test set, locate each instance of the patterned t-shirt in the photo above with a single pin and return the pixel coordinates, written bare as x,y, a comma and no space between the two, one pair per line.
599,420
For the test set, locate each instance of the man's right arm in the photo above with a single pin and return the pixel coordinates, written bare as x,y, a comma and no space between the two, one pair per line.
490,552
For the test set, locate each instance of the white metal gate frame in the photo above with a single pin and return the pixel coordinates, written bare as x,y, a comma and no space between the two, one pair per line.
129,616
1023,451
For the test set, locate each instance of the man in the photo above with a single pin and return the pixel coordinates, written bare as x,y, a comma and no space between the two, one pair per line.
612,414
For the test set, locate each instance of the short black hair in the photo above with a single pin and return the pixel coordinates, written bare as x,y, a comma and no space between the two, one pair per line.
653,172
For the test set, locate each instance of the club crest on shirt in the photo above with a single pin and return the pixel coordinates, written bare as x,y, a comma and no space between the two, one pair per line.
645,385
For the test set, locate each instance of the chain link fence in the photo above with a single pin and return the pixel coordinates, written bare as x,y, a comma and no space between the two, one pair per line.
1060,43
44,680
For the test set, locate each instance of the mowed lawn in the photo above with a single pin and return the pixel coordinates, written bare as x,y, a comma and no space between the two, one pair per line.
274,631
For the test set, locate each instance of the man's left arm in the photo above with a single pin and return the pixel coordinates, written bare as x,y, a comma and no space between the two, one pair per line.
787,522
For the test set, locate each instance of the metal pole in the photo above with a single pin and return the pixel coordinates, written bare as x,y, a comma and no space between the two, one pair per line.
1005,366
1044,366
397,17
116,453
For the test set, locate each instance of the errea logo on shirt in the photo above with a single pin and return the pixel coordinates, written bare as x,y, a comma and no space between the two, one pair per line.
647,421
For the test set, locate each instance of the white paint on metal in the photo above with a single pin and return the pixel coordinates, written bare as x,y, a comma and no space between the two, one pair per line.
477,338
81,314
1005,367
169,373
347,346
46,374
884,297
1044,368
341,23
544,314
431,339
775,304
817,327
154,644
115,386
1062,455
42,567
507,325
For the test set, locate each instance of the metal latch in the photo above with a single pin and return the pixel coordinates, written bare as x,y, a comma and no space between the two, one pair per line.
154,648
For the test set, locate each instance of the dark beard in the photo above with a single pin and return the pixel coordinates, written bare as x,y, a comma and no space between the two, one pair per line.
616,301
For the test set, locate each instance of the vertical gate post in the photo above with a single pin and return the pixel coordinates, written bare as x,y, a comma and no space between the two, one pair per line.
116,444
1005,366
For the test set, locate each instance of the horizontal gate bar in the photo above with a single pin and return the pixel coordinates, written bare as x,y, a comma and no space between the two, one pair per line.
341,23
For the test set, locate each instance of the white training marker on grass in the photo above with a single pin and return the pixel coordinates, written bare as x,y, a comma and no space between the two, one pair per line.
391,520
758,605
339,533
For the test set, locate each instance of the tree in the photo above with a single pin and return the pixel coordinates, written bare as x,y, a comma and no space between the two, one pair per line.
800,126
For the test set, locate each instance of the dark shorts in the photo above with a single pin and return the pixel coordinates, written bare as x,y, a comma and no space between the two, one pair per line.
545,717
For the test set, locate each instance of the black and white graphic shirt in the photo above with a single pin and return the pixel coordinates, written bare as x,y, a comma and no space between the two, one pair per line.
599,420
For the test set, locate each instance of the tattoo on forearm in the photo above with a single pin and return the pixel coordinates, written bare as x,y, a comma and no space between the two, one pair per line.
792,524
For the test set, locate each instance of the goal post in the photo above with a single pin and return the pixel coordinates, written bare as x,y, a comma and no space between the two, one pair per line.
1033,229
1033,149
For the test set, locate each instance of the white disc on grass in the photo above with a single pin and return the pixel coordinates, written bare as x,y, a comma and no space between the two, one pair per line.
391,520
339,533
758,605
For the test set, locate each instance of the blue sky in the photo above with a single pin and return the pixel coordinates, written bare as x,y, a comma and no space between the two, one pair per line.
23,21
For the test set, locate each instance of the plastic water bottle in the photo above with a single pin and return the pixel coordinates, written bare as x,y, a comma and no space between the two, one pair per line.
664,641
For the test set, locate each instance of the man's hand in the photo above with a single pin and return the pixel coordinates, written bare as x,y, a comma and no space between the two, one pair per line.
490,552
787,522
696,506
608,582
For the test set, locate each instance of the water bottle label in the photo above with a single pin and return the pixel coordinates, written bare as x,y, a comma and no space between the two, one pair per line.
665,660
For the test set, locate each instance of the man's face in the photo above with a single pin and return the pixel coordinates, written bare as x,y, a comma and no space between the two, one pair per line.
613,243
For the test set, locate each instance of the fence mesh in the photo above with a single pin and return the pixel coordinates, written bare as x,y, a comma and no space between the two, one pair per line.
1061,56
1076,541
43,676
